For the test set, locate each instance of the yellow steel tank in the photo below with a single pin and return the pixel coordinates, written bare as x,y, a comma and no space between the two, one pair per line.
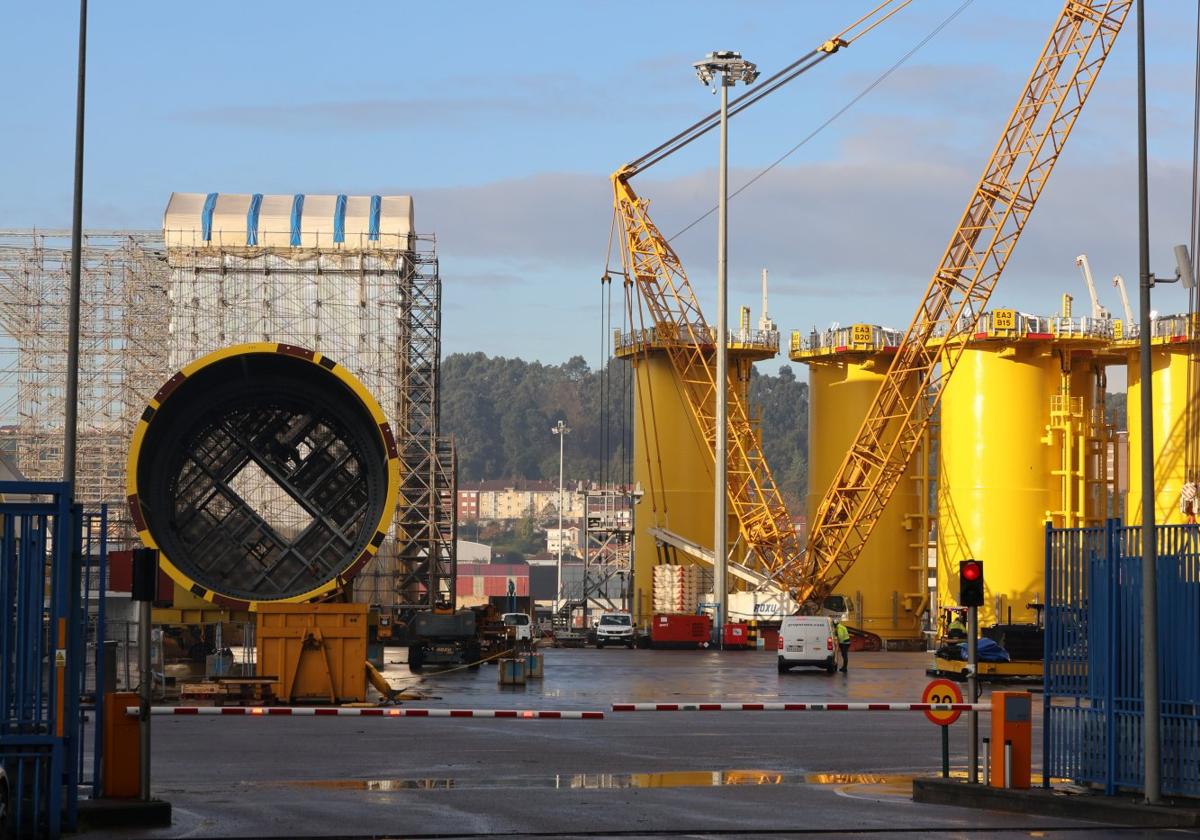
887,585
671,461
1170,396
1020,443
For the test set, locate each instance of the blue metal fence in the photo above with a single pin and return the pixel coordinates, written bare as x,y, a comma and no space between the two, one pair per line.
41,654
1093,686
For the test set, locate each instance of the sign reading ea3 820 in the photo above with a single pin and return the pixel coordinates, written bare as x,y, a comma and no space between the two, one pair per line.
942,692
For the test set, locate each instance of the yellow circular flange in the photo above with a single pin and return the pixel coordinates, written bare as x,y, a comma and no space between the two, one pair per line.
386,440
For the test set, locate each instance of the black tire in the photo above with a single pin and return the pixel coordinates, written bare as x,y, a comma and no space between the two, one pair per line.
629,645
831,669
472,655
416,657
784,667
599,645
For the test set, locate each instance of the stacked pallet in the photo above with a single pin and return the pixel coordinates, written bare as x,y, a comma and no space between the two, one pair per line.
680,589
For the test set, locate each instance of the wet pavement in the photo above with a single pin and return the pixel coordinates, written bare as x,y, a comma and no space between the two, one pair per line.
631,774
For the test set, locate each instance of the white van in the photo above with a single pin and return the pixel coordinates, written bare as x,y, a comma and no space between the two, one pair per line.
522,630
808,640
615,628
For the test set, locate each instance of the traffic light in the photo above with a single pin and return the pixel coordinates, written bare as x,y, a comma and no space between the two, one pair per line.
970,583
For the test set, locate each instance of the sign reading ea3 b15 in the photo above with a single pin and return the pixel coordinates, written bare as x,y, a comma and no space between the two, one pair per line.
942,692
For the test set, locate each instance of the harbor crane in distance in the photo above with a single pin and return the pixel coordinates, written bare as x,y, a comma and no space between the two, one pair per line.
953,303
1119,282
1098,311
653,272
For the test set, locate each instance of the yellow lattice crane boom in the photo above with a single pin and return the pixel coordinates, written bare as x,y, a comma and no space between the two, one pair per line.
654,273
1013,180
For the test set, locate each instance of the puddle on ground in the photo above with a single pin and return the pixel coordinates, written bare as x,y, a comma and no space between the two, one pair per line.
884,782
613,781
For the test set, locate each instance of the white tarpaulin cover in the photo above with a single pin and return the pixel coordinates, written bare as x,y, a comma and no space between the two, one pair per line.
239,220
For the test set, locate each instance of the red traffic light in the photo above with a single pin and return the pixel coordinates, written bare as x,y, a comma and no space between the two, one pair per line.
971,571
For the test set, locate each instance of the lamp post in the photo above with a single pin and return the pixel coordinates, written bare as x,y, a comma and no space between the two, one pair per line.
1184,273
723,70
560,429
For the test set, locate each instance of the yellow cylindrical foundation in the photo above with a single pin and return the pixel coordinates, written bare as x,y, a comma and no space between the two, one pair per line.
1016,449
1169,392
674,466
885,583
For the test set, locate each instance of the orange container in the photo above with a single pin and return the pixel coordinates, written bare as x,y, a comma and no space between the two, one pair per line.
122,747
317,652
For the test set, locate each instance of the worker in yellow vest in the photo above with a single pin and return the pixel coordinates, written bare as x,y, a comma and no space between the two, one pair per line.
843,640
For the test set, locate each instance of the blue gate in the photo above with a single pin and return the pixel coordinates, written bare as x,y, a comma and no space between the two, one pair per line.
1093,688
41,654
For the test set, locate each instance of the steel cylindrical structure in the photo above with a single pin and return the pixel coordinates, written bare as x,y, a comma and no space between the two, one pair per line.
1018,446
263,472
885,583
1169,385
674,466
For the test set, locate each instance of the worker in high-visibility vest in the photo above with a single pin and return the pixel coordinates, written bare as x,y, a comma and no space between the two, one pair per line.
843,640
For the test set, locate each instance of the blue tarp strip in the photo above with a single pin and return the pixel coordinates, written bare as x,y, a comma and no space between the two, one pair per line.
339,219
206,215
373,229
297,214
252,219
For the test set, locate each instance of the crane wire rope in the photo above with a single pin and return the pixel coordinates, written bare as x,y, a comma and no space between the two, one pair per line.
836,114
769,85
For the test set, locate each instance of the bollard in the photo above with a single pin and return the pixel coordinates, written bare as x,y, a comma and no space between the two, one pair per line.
122,759
511,672
987,761
534,666
1011,730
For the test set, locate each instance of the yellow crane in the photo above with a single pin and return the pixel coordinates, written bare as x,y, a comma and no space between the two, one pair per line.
654,273
950,310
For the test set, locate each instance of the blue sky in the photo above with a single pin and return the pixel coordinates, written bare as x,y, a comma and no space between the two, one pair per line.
503,120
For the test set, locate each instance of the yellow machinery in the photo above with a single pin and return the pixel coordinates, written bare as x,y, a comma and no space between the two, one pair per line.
951,308
1174,403
888,586
1022,441
671,461
266,475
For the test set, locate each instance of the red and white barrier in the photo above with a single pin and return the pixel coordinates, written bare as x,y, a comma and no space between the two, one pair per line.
390,712
801,707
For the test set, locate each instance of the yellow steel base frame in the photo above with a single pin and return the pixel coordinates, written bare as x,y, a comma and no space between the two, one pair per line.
1018,669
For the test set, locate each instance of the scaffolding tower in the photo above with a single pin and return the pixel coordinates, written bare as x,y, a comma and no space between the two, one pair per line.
608,546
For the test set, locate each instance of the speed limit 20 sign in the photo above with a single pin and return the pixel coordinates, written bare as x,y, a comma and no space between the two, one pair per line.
942,692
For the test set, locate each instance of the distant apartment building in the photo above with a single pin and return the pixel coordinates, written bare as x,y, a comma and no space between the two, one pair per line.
515,499
567,537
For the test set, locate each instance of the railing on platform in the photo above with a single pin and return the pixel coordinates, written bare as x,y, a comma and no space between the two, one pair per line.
1093,688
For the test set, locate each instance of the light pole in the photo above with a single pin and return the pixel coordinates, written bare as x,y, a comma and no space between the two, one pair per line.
560,429
725,69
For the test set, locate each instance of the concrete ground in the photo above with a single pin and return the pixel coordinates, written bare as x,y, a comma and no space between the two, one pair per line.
727,774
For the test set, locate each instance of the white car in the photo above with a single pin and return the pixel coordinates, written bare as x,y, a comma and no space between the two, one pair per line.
615,628
808,640
522,627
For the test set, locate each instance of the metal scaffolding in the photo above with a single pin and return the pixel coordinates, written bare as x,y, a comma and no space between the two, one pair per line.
608,546
123,356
